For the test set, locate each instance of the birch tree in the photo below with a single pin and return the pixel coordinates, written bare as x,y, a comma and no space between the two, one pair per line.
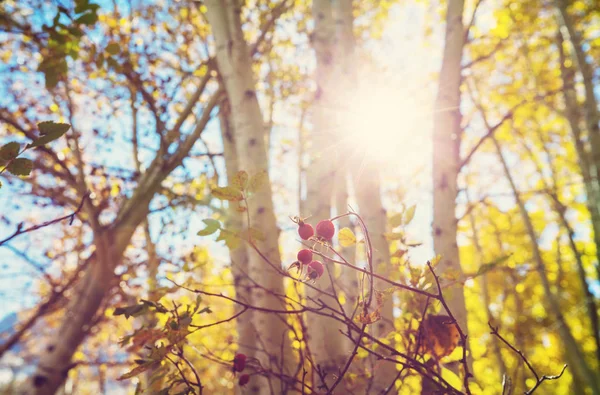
324,337
235,70
446,162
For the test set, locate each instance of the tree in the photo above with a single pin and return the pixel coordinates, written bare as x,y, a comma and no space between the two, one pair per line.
235,70
446,157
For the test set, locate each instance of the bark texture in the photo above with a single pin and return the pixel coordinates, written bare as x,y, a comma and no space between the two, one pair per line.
110,242
325,340
235,69
446,148
239,256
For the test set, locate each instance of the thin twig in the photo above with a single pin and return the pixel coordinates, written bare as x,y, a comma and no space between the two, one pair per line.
71,218
539,380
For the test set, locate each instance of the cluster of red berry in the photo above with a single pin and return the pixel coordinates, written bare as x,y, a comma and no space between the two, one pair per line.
325,232
239,364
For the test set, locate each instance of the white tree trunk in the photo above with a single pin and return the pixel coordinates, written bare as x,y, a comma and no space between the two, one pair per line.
325,341
239,256
235,68
446,146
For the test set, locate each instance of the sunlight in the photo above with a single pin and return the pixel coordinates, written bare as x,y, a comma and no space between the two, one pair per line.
387,126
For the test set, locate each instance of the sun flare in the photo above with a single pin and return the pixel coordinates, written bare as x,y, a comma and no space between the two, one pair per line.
387,126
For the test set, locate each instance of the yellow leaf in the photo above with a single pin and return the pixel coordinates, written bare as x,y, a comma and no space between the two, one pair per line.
435,260
227,193
346,237
409,214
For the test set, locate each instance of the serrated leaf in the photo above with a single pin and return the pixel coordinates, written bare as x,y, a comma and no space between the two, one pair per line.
9,151
240,180
212,225
258,181
396,220
409,214
113,48
346,237
48,127
20,167
229,193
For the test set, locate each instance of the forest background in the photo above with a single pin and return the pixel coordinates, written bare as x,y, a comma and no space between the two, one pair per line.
159,161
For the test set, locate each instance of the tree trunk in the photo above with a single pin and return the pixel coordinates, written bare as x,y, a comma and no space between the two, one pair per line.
586,164
235,69
110,242
591,111
496,347
446,148
325,340
561,210
239,255
573,353
55,360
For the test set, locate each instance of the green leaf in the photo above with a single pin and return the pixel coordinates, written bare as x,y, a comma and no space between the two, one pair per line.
346,237
240,180
258,181
47,127
206,310
131,311
227,193
113,48
409,214
396,220
47,138
20,167
212,225
9,151
88,18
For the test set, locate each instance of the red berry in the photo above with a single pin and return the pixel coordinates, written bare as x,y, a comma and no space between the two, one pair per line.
325,229
305,256
315,270
305,231
244,379
239,362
